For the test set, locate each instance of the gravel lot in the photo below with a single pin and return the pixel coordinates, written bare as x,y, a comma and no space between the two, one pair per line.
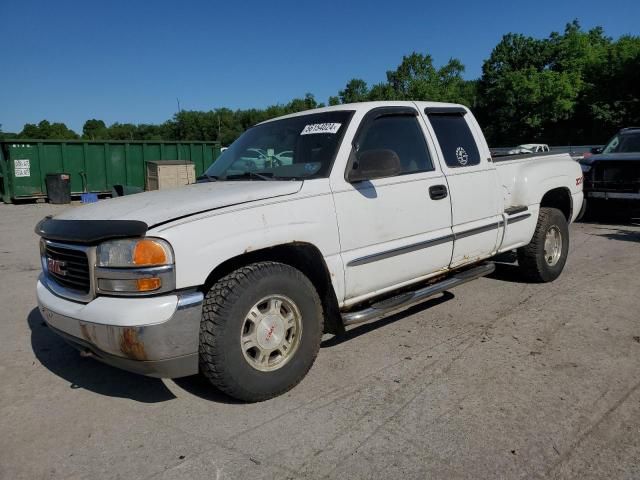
497,379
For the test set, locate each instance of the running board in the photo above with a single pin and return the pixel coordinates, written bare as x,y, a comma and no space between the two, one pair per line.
405,300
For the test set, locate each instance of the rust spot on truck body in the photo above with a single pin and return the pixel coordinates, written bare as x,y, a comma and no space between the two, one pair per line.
131,345
86,333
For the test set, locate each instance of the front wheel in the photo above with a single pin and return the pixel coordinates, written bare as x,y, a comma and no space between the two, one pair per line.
260,331
544,258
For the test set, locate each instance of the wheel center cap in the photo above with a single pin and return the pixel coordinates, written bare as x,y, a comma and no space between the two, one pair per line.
270,332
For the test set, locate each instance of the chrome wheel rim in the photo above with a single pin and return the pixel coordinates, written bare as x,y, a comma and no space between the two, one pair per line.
553,246
271,333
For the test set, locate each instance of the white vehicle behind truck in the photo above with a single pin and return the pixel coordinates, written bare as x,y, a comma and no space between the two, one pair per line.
381,206
529,148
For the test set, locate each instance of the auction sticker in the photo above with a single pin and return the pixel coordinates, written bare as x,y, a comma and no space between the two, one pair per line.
22,168
320,128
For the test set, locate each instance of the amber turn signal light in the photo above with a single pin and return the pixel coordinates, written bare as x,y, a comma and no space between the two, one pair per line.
148,284
149,252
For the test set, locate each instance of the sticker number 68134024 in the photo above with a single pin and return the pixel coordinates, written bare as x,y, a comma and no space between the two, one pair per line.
320,128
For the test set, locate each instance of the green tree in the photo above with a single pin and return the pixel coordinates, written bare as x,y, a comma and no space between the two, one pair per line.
612,93
146,131
572,87
416,78
383,91
46,130
94,130
6,135
526,89
355,91
301,104
121,131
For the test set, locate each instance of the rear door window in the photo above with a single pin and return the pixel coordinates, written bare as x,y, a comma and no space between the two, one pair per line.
456,140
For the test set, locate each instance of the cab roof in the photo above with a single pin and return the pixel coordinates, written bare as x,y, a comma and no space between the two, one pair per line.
366,106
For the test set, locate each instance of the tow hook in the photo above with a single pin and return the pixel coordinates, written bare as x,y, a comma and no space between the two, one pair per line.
86,353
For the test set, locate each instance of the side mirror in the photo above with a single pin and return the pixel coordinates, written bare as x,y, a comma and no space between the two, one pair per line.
596,150
372,164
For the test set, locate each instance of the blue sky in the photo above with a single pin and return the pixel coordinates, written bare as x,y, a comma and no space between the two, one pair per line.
128,61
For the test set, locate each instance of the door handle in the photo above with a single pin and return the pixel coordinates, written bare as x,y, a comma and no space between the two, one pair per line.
438,192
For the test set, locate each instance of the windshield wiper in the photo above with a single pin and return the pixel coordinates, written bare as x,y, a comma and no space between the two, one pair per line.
247,174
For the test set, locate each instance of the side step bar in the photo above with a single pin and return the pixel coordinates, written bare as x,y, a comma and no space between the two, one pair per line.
405,300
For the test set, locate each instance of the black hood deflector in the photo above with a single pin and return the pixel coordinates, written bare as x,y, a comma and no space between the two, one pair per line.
89,232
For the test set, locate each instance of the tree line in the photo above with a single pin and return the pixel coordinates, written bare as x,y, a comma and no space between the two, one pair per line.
574,87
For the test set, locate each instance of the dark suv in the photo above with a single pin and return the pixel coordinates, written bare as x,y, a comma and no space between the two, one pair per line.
612,172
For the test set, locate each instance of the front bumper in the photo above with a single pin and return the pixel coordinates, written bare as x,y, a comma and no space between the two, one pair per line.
155,336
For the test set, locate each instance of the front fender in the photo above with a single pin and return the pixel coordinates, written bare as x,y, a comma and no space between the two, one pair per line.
202,243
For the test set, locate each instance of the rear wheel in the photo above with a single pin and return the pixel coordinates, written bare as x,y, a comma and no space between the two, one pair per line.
260,331
544,258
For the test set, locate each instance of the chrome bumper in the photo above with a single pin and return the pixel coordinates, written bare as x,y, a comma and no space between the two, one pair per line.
166,347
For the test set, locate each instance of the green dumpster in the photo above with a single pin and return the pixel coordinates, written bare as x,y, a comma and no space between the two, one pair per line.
24,164
4,179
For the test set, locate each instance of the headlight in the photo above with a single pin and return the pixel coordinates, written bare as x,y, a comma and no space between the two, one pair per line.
134,267
585,168
134,253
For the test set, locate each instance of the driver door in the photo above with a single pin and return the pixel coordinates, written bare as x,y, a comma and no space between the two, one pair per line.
394,230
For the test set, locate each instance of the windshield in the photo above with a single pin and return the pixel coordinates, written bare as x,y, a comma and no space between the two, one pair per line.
293,148
624,143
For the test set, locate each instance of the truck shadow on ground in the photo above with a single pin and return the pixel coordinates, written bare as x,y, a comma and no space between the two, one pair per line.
507,272
63,360
507,268
617,233
612,219
199,386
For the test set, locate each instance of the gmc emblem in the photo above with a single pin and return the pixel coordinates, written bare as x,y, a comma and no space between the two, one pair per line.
56,266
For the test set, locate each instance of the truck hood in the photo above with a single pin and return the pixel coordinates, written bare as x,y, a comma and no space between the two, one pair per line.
165,205
605,157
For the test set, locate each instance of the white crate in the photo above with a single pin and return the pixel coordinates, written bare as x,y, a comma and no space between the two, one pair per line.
162,174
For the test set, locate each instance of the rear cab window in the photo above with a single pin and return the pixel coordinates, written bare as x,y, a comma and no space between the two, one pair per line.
458,145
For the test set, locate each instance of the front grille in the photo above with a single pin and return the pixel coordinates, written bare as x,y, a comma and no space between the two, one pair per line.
70,267
614,176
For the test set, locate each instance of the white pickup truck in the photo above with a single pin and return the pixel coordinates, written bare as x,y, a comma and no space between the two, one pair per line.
372,208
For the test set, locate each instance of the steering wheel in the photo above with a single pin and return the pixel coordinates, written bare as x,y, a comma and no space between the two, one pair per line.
250,165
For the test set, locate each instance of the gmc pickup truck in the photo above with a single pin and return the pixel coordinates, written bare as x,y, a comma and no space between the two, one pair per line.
351,213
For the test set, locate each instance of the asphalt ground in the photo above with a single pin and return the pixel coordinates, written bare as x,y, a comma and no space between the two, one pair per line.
495,379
